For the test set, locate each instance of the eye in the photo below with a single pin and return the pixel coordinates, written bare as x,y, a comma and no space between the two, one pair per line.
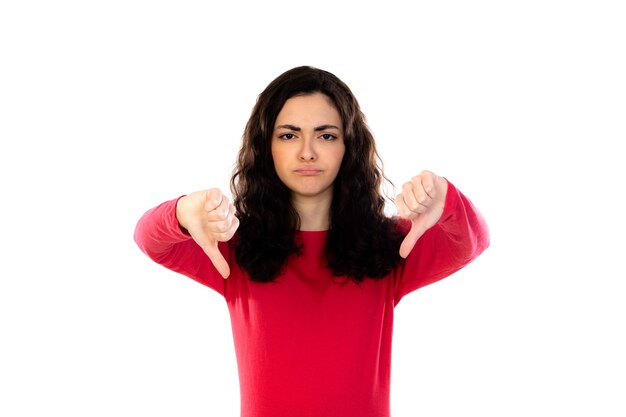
287,136
328,136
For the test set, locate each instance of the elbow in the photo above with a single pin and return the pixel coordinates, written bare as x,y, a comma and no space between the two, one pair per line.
481,239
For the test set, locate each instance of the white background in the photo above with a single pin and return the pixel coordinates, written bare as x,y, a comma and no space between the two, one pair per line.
109,108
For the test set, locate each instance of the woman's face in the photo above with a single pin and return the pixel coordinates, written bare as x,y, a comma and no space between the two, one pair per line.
308,145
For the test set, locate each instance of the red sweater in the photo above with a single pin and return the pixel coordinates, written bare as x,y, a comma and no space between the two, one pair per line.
310,344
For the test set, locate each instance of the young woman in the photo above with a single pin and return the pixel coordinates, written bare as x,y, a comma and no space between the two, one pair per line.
313,266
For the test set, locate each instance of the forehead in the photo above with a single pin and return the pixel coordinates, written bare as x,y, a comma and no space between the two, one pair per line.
311,108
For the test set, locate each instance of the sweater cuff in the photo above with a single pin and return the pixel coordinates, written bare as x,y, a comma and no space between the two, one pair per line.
184,231
452,198
172,227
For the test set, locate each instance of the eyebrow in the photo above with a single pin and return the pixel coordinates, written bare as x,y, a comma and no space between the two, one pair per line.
298,129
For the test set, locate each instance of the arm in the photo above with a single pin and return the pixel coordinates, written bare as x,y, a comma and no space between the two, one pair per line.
190,247
458,236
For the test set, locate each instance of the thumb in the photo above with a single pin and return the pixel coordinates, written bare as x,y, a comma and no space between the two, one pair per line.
217,258
417,230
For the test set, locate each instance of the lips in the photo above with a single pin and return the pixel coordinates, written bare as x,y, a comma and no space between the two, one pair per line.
308,171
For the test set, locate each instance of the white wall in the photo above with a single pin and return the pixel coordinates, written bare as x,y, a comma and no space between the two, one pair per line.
109,108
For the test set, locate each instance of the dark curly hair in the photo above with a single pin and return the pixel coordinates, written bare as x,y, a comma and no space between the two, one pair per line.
362,241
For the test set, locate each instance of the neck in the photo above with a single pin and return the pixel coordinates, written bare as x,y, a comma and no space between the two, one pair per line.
314,212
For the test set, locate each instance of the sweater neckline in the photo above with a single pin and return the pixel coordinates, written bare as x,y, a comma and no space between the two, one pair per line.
311,236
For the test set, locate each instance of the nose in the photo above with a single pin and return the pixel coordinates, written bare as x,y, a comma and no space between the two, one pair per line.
307,152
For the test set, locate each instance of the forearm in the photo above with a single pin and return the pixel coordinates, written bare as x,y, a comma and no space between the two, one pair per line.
460,235
464,226
157,231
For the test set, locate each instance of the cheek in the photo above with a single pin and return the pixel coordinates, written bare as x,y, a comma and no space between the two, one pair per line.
277,157
275,153
341,154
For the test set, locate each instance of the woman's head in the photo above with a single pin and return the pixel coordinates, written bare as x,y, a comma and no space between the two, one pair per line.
307,150
268,219
255,157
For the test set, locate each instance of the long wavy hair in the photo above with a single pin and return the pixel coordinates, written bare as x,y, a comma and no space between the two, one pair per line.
362,241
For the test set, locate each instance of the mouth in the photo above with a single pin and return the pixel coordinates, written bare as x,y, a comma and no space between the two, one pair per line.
308,171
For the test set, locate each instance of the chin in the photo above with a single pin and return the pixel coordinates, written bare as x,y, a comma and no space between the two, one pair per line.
310,193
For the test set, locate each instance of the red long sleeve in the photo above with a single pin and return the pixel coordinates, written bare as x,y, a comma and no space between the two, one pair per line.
460,235
309,343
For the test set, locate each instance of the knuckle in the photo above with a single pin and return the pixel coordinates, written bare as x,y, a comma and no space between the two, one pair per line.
223,237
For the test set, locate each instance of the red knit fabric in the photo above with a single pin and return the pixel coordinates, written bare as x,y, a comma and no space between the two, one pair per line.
311,344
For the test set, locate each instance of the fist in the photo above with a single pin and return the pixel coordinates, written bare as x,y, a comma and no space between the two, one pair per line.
422,201
209,217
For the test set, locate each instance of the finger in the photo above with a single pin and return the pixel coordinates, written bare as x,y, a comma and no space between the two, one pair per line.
403,210
415,198
429,181
220,226
214,198
417,230
231,219
217,259
224,231
422,187
233,228
221,212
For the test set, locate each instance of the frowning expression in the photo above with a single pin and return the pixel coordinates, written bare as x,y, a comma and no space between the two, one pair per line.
308,145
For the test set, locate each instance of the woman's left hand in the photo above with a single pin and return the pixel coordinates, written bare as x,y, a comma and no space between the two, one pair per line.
422,201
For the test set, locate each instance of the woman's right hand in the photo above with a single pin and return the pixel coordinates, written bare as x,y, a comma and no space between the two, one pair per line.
209,217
